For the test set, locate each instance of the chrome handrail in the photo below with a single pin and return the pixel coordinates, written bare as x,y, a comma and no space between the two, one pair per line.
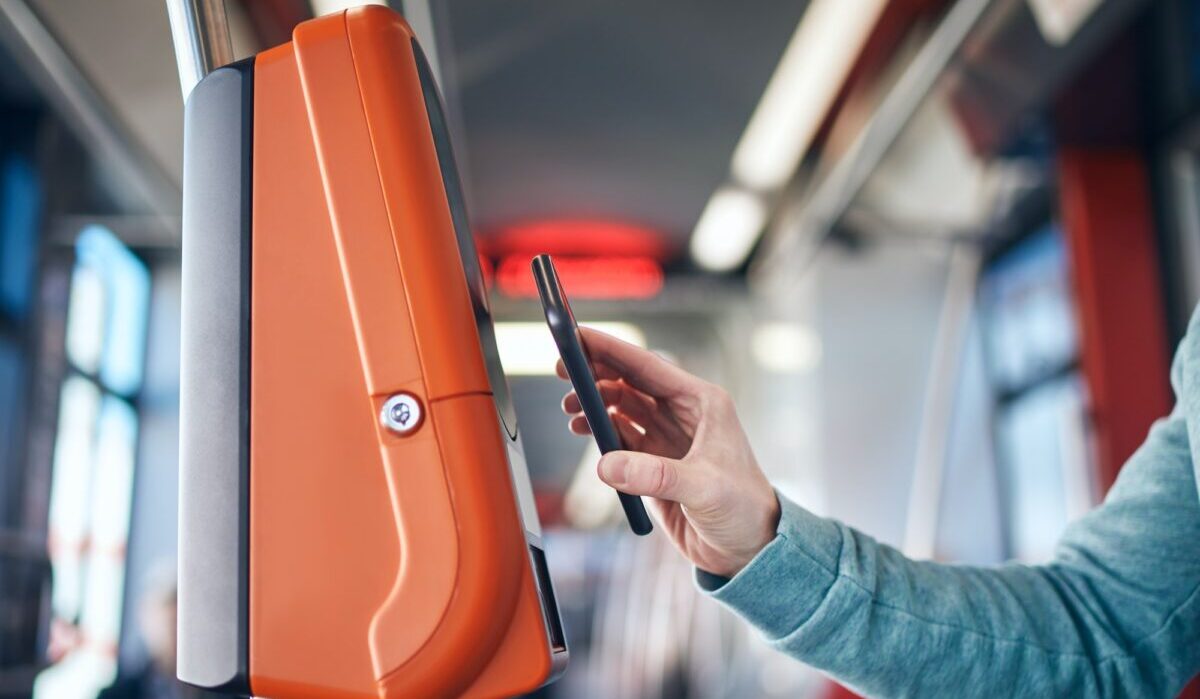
200,30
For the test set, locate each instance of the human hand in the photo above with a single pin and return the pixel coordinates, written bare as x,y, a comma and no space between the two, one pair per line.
687,451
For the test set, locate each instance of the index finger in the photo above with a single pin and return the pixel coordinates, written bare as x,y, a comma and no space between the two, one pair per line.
640,368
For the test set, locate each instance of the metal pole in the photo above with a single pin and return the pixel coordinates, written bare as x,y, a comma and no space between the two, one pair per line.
937,415
419,16
786,249
200,31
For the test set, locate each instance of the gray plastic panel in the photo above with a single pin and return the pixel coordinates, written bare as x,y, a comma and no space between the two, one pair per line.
214,383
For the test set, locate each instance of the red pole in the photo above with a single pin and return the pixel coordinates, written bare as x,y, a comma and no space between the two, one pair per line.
1109,225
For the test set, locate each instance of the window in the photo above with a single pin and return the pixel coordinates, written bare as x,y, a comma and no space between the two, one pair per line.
1032,352
92,481
20,203
23,568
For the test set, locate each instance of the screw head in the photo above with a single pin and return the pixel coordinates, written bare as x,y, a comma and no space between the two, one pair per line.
401,413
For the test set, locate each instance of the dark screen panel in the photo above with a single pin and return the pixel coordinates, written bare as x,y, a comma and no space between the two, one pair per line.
466,246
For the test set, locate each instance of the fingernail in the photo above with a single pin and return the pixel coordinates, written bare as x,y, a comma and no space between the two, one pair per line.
612,470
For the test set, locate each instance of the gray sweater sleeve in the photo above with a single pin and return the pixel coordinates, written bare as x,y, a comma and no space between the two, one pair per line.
1116,613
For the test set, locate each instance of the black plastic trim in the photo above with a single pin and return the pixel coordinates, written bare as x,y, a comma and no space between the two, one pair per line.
554,627
466,244
214,460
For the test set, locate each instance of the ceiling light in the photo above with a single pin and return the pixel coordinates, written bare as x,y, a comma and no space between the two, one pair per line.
728,228
527,348
785,348
814,66
328,7
1058,21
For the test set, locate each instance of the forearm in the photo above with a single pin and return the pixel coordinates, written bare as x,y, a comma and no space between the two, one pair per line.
836,599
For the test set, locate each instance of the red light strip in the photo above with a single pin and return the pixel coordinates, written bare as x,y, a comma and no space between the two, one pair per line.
585,277
578,237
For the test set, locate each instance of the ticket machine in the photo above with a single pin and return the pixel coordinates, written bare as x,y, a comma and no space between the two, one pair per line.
356,518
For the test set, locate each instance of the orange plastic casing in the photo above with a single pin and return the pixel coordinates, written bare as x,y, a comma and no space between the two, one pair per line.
379,565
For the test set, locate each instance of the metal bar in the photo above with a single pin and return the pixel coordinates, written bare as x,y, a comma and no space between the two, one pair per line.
833,195
430,21
806,223
419,16
937,414
200,31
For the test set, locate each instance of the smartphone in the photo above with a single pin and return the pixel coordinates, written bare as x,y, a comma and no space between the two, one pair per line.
579,370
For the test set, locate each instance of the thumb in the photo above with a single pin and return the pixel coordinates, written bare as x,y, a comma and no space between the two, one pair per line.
638,473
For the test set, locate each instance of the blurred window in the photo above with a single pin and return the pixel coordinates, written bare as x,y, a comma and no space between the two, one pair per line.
20,202
1029,313
1032,351
92,482
1040,439
23,565
19,212
1173,137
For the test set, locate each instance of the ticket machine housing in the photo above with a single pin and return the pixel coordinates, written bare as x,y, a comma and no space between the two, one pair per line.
328,267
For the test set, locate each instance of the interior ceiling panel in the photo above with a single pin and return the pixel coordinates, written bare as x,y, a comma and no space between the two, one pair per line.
620,110
625,110
124,48
15,87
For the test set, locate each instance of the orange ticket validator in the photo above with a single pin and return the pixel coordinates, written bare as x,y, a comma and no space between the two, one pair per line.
356,518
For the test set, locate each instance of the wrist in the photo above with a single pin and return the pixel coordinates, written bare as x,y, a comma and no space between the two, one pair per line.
767,518
771,513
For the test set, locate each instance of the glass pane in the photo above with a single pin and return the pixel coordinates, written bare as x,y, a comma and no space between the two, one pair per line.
80,675
111,498
115,445
70,491
1042,445
20,201
111,495
1031,324
12,367
92,481
101,619
125,301
85,319
91,494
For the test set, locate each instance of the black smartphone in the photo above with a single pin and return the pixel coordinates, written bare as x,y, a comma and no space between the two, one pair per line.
579,370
